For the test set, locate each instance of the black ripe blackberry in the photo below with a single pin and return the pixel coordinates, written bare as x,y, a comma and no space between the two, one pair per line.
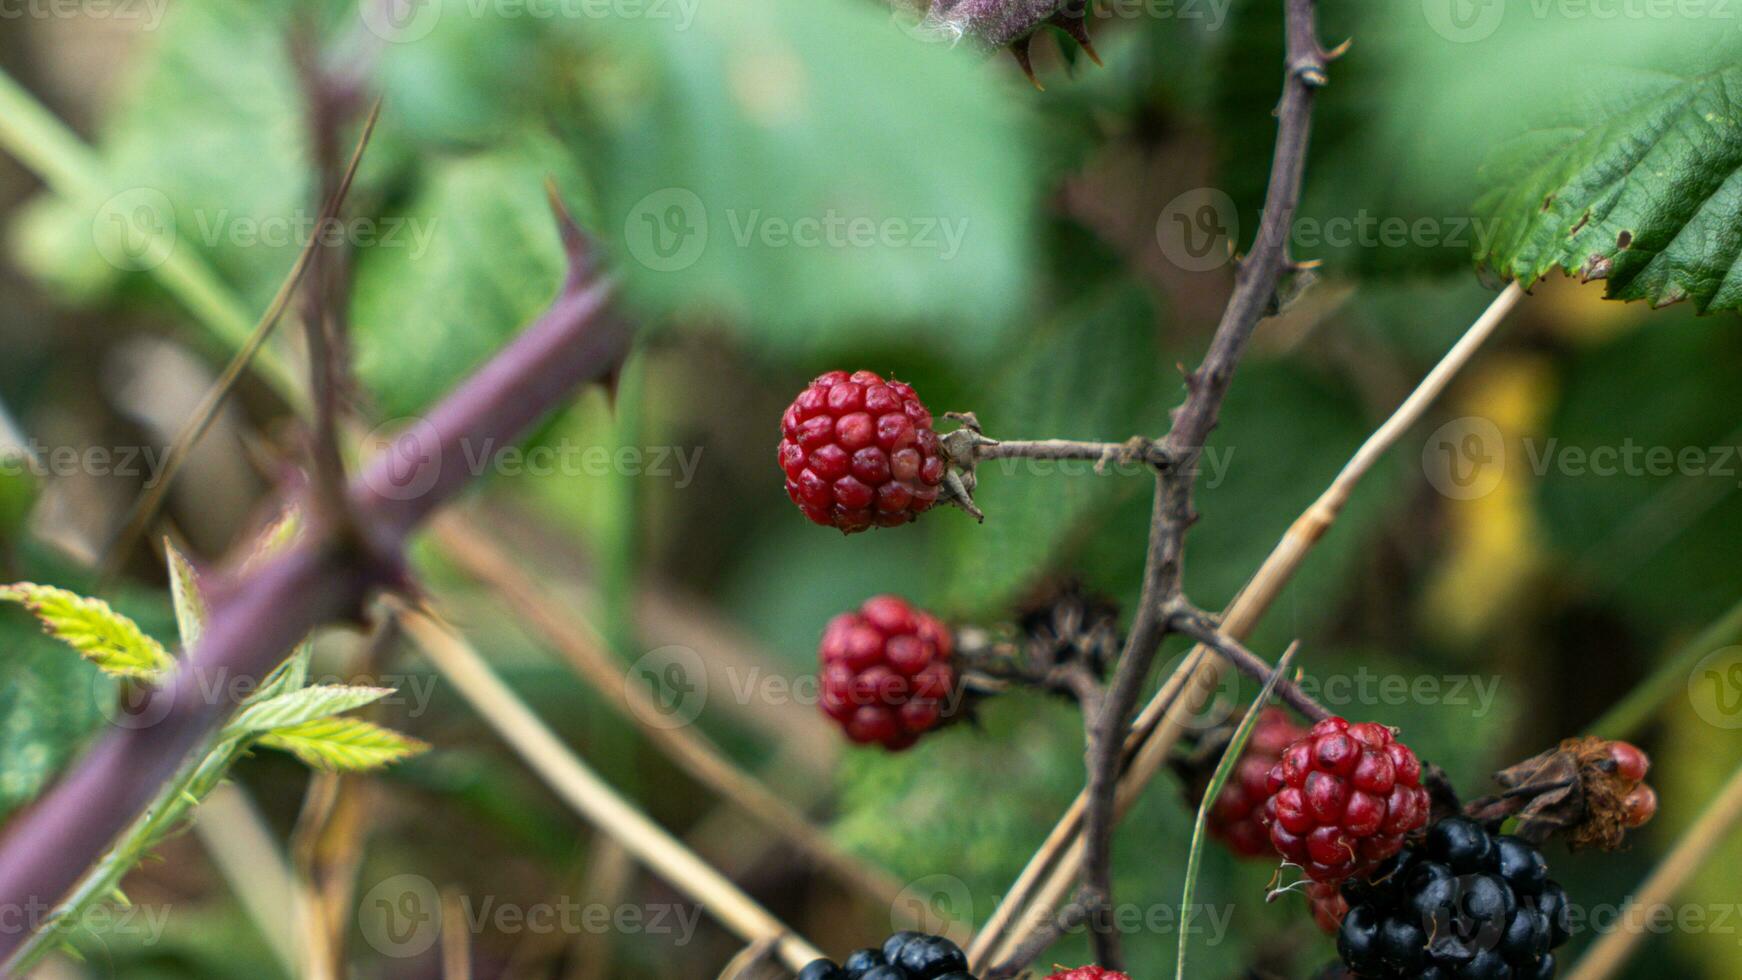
1462,905
904,956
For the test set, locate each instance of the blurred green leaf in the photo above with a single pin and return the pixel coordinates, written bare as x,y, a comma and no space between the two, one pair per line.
1640,501
802,166
49,702
479,258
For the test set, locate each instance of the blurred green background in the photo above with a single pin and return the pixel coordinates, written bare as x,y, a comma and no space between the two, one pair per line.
1032,258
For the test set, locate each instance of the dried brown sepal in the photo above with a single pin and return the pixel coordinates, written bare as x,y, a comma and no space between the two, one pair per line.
1572,790
1064,623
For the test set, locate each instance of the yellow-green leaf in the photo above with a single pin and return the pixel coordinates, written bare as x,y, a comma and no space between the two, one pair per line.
305,705
184,591
103,636
343,744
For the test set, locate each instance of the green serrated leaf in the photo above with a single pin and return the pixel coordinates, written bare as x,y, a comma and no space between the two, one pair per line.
184,593
290,675
1644,191
305,705
343,744
103,636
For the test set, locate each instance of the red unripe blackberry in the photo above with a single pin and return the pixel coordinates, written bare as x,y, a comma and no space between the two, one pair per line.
1640,805
1233,818
1089,973
1342,798
886,674
860,452
1631,764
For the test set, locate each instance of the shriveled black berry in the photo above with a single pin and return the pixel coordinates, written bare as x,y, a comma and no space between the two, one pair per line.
892,945
822,970
958,975
1461,845
884,972
863,961
1521,865
930,957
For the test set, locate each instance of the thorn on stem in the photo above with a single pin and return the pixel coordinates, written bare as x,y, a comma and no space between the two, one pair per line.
1019,49
1073,21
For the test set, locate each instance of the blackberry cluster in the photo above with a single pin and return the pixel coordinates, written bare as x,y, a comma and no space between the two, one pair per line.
1464,904
859,452
904,956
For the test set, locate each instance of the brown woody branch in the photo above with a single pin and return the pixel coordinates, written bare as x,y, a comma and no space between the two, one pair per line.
1254,297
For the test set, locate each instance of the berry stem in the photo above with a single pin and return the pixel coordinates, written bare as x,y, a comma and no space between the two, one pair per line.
1137,449
1202,627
